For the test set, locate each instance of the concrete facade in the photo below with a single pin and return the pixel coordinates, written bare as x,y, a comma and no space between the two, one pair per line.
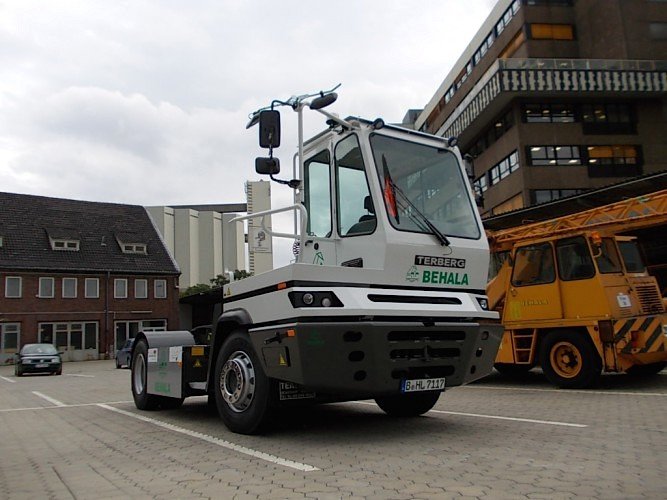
201,240
260,247
555,97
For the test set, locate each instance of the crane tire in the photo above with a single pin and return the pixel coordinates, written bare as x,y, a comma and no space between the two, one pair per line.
569,359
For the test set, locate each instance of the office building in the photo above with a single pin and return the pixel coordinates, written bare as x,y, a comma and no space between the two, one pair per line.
555,97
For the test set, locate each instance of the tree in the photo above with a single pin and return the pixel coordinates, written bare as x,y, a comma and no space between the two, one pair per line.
216,282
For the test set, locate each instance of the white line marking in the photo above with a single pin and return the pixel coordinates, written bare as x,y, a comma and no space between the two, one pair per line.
63,406
8,380
568,391
513,419
220,442
496,417
50,400
78,375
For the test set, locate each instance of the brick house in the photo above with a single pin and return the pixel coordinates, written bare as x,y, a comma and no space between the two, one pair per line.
82,275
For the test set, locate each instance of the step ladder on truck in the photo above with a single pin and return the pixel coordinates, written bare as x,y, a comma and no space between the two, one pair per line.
575,297
385,299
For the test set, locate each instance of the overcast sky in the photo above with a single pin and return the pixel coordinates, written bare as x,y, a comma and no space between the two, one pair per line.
145,102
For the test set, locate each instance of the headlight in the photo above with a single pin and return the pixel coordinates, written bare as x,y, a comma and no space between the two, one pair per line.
314,299
483,303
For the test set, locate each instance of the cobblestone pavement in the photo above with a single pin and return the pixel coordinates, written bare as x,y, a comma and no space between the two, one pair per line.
80,436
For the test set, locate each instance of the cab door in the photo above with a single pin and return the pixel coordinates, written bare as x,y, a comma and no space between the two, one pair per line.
359,242
533,292
319,244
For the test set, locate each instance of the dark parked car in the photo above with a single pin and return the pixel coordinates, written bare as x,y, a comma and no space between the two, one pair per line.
38,358
124,354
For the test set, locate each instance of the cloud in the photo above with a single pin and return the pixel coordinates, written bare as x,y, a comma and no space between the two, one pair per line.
146,102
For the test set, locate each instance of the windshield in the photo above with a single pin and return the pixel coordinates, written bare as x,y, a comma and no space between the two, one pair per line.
422,180
631,257
39,349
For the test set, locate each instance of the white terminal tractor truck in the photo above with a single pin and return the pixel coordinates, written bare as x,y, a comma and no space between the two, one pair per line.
385,300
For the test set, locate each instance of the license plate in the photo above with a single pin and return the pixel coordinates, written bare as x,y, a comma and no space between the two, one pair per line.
42,365
423,384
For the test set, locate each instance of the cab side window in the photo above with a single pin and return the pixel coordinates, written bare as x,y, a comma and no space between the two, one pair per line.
356,213
317,194
533,265
574,259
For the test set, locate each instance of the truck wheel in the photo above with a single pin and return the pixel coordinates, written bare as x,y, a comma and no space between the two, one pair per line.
569,360
512,370
408,405
139,379
646,370
242,389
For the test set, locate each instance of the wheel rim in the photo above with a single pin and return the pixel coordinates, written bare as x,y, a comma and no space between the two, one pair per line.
566,360
139,374
237,381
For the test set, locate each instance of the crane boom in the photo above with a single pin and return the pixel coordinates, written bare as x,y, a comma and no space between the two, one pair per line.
629,214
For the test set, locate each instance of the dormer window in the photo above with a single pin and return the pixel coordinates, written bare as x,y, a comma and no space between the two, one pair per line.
72,245
131,243
62,239
134,248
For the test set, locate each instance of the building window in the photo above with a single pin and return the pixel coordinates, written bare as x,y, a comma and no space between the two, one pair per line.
13,287
492,134
553,155
539,31
9,337
92,288
613,155
507,17
546,195
140,289
139,248
504,168
73,336
657,31
614,161
69,288
120,288
481,184
46,288
548,113
609,118
125,330
513,45
67,245
160,289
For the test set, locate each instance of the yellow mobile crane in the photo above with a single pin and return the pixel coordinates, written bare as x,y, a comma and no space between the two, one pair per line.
575,298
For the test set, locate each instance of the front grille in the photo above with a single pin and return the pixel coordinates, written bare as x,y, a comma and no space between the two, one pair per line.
649,299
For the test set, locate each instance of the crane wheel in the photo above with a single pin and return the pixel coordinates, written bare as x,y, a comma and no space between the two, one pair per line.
569,360
242,389
408,405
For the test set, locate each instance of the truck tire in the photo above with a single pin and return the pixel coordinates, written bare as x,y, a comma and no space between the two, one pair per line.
408,405
646,370
242,389
511,369
569,360
139,379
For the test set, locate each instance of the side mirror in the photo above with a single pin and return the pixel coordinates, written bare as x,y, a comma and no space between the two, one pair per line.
267,166
269,129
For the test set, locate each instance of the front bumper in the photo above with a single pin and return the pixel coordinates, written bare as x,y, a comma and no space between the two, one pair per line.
40,367
372,358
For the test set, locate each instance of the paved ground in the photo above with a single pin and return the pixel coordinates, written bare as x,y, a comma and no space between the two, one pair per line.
79,436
